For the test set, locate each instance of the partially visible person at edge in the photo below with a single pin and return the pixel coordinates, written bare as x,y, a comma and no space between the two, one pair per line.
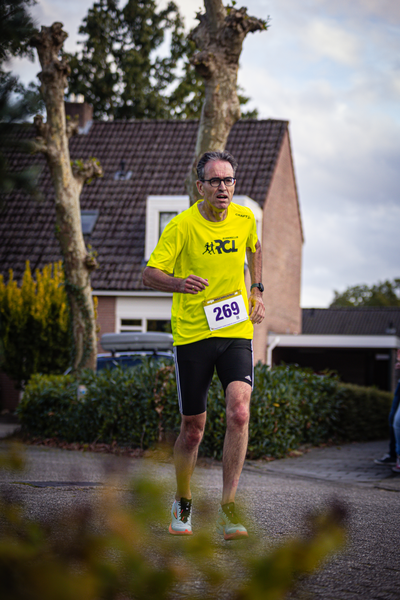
392,458
200,257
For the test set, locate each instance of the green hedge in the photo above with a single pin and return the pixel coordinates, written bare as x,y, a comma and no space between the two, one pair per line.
137,407
364,412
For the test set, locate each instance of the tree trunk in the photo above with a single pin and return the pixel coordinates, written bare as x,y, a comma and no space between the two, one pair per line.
52,140
219,38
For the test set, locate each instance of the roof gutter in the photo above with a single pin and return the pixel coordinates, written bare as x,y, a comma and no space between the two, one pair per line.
334,341
132,294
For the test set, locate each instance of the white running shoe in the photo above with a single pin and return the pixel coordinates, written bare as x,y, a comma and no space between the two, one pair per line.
181,517
228,523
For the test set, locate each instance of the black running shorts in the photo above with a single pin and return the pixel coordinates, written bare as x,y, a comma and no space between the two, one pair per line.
195,363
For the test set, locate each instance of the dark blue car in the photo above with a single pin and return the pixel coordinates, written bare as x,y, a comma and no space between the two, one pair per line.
131,348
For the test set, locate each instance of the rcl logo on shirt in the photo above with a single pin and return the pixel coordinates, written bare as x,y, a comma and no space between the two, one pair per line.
220,246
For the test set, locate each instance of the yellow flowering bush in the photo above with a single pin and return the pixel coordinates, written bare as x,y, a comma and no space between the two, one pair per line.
34,323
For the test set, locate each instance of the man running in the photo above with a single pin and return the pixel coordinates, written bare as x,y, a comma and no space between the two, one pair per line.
200,258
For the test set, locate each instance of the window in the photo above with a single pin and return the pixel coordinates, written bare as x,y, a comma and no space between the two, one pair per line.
255,209
146,312
159,325
122,174
88,220
131,325
163,219
159,211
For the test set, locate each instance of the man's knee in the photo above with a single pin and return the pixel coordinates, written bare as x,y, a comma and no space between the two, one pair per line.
238,396
192,429
238,415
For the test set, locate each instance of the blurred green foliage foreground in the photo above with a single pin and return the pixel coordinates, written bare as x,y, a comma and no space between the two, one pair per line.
119,549
138,408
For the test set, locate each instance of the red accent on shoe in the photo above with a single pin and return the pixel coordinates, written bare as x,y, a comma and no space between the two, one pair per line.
236,535
186,532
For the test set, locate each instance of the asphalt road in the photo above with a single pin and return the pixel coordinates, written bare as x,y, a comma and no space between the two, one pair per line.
277,495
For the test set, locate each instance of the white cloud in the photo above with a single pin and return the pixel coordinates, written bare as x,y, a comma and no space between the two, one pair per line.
386,10
331,41
347,248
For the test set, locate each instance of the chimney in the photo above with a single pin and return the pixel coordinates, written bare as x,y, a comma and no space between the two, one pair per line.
84,111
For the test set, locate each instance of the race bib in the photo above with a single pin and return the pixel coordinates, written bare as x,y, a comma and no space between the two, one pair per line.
225,310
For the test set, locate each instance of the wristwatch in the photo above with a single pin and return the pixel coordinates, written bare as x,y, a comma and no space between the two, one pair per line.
257,285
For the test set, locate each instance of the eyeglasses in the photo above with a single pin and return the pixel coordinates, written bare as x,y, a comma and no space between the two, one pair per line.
215,182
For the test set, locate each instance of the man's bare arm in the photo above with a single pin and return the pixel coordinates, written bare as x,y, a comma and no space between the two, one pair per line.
256,304
158,280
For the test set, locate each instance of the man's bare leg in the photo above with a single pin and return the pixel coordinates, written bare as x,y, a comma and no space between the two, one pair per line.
186,450
238,396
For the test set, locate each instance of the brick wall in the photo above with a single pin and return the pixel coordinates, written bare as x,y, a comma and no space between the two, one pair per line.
105,316
282,248
83,110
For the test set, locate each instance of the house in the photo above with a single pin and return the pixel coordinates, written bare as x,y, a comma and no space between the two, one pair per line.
359,343
145,164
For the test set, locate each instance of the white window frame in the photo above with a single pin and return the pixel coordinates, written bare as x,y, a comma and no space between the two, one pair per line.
145,308
154,206
255,209
124,328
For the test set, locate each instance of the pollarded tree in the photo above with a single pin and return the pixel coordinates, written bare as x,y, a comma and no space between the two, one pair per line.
68,181
219,38
187,98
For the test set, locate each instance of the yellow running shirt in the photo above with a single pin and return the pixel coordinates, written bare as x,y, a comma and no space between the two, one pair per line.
214,251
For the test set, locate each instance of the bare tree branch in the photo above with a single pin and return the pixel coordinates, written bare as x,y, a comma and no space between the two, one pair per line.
39,144
72,127
215,13
85,171
90,262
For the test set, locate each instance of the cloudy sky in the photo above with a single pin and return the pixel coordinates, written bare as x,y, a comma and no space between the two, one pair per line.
332,69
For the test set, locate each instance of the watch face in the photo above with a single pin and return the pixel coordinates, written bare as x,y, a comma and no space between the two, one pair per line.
261,287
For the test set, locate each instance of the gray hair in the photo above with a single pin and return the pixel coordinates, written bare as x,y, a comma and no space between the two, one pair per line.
212,156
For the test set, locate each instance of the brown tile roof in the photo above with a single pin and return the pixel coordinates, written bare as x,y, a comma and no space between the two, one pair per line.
159,154
351,321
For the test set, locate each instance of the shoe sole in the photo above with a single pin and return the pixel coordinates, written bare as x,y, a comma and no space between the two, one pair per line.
236,535
385,464
232,536
173,532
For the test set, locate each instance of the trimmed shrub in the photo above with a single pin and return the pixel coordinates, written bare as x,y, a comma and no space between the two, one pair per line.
137,407
291,407
363,413
126,405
